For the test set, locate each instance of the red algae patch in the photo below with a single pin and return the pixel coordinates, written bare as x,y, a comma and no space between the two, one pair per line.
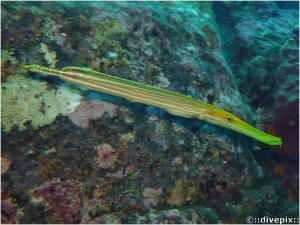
64,199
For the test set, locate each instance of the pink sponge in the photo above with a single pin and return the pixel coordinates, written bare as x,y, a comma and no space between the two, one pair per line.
90,110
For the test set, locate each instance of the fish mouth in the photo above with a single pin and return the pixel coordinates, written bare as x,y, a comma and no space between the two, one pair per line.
255,133
24,66
272,140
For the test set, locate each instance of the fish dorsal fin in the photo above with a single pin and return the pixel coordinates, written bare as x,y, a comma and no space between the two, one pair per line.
71,68
66,68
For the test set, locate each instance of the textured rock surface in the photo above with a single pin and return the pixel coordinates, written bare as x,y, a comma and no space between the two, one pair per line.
259,31
287,98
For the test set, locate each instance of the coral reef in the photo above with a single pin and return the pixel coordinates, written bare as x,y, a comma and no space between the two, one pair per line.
78,156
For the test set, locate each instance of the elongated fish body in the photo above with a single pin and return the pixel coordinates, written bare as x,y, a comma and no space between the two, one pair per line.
175,103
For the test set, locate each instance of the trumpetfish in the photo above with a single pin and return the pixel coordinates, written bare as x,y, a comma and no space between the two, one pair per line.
174,103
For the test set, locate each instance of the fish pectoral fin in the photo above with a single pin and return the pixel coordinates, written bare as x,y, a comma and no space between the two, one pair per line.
201,116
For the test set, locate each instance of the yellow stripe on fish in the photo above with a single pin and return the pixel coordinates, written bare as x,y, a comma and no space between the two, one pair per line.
175,103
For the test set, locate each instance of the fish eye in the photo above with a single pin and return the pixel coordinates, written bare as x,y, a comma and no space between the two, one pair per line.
229,119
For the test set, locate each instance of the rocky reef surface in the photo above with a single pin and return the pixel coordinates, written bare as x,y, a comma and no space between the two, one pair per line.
75,156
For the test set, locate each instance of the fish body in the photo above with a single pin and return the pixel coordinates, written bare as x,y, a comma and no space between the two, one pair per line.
174,103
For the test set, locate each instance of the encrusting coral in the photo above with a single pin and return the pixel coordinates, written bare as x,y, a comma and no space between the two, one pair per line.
152,195
27,100
6,55
68,99
30,100
98,62
177,193
48,29
49,56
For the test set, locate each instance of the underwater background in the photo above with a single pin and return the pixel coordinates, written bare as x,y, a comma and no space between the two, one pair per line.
75,156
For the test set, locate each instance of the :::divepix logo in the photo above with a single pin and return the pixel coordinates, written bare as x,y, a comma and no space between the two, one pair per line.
266,219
